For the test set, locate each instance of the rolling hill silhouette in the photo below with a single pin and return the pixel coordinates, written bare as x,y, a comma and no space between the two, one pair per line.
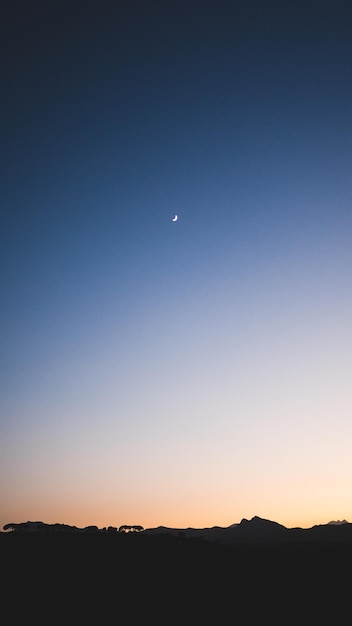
255,530
259,530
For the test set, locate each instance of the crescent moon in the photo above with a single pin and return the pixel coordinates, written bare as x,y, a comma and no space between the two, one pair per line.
175,218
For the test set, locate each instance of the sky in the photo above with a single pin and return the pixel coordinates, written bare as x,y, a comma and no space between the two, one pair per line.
189,373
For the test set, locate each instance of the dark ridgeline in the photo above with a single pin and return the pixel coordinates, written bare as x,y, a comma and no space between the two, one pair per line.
256,531
256,568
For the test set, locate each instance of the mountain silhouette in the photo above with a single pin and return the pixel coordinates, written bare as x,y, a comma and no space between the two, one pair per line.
261,530
255,530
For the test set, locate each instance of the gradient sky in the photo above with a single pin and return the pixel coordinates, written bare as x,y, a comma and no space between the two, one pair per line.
189,373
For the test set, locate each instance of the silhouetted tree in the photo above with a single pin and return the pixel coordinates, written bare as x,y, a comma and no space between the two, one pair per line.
125,528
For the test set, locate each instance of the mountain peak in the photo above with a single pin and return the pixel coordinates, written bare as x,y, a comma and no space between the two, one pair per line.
259,521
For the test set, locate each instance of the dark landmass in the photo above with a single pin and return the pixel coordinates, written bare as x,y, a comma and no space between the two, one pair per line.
254,569
261,530
256,530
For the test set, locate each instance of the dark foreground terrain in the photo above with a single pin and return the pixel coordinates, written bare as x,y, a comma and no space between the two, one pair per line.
106,578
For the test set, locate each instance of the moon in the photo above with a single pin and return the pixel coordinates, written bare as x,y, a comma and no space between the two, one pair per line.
175,218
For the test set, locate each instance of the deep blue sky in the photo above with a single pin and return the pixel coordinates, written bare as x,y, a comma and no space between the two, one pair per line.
210,356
